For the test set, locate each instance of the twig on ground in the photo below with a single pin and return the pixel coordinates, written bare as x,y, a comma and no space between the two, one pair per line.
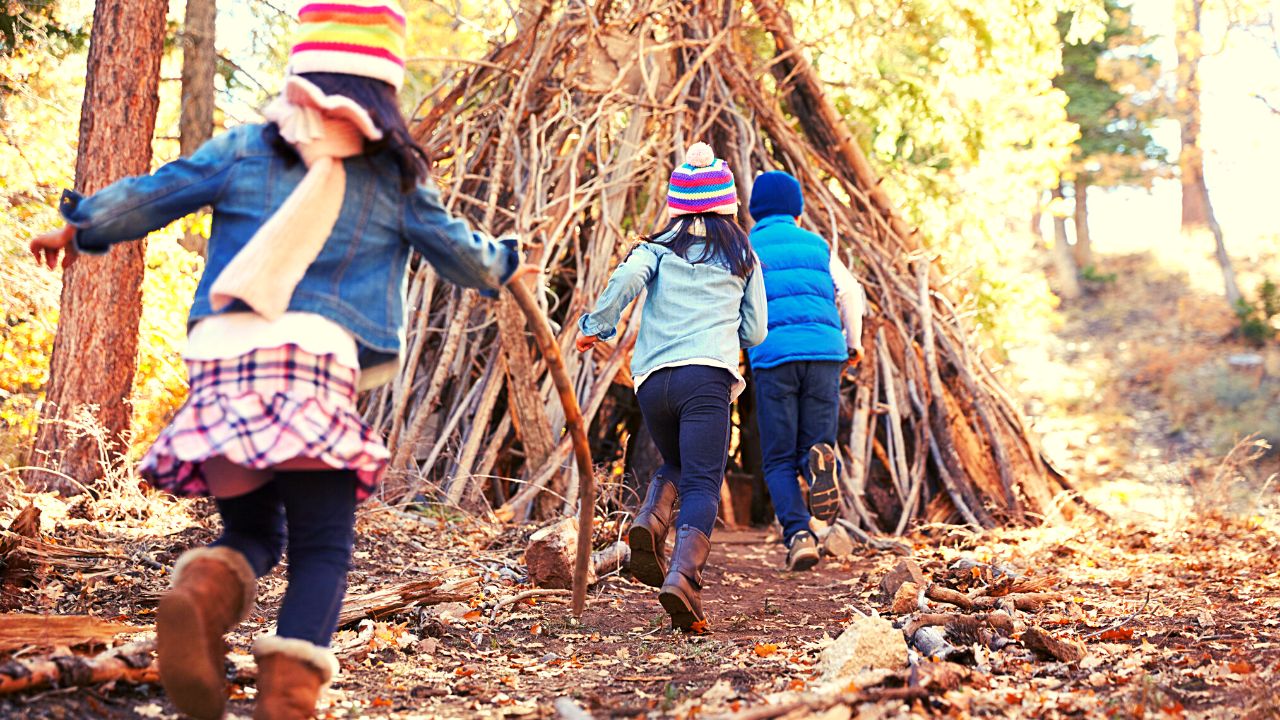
1122,621
539,592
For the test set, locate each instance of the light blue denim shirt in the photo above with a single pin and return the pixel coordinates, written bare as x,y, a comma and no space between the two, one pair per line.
357,280
694,311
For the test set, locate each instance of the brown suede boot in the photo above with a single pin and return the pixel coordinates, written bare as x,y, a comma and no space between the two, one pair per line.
291,675
681,594
648,534
213,591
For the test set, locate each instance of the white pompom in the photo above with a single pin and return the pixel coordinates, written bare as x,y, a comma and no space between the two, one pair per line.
699,155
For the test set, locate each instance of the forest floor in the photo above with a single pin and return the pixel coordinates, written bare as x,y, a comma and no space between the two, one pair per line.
1176,598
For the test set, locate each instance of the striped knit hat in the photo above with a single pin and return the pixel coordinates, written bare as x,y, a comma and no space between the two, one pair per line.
703,184
355,37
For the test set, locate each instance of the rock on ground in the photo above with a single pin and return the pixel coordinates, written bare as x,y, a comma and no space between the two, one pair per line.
868,643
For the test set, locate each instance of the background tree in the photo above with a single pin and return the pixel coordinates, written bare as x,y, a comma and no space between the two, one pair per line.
32,24
199,64
1197,209
953,103
95,350
1113,97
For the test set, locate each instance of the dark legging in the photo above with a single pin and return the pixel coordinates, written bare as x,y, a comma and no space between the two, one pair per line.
687,412
315,511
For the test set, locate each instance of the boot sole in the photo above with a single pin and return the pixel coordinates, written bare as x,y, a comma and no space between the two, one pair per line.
192,685
682,616
646,565
804,562
824,491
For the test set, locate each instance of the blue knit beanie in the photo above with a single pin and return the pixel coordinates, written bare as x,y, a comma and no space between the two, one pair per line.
775,193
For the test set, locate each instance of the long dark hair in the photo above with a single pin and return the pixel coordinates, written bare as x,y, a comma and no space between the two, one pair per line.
725,241
379,99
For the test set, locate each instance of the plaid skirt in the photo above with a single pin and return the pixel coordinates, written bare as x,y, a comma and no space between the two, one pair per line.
261,409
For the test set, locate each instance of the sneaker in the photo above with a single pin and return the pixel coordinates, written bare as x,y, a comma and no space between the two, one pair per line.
802,553
824,486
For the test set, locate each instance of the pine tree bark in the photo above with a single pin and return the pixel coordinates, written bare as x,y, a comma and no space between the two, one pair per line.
1197,210
95,349
1083,249
199,63
1065,273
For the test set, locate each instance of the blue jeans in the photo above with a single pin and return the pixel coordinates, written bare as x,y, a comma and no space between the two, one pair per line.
798,406
687,412
317,512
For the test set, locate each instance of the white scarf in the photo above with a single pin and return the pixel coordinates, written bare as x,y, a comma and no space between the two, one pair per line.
324,129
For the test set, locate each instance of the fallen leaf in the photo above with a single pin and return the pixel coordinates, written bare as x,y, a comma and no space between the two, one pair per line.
766,649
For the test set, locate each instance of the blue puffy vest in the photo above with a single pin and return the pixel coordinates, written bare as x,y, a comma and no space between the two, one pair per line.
804,323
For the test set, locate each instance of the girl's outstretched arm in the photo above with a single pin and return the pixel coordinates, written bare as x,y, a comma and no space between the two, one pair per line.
625,284
461,255
754,314
130,208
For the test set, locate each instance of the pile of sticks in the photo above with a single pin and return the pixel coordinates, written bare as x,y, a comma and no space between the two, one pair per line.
565,136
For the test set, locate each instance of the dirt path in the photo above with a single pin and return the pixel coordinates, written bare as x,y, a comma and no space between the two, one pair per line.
622,660
1178,620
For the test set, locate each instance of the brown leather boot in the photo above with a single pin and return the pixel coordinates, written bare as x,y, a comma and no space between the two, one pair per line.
291,675
681,594
213,591
648,534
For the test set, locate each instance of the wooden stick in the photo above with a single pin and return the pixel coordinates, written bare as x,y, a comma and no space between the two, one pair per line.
129,663
389,600
581,447
19,630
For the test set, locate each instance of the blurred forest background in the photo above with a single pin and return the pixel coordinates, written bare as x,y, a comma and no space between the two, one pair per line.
1095,178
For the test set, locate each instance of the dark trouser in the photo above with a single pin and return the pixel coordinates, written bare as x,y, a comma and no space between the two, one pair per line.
318,510
687,412
798,406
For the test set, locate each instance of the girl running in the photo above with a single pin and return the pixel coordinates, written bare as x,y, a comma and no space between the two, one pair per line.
300,305
705,302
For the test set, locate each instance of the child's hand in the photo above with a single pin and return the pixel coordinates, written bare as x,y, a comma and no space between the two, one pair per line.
48,246
525,269
586,342
851,368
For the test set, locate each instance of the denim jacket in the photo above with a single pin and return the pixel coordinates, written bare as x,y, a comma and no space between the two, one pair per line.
358,280
694,311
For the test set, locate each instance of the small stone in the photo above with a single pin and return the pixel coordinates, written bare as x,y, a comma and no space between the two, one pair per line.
904,601
868,643
904,571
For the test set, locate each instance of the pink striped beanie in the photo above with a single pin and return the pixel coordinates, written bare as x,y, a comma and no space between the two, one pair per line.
355,37
703,184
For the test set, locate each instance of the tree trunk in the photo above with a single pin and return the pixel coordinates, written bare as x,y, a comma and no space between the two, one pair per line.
94,352
1064,263
1189,46
199,63
1083,249
1197,210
